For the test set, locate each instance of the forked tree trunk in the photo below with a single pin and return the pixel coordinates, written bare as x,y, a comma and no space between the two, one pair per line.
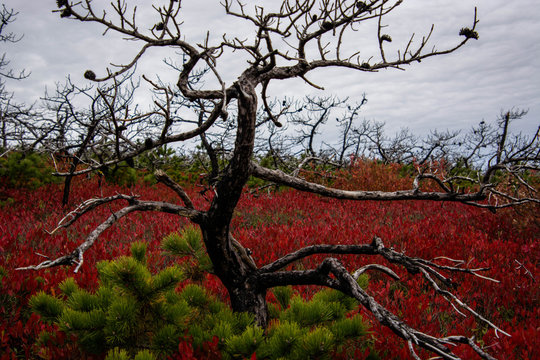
231,263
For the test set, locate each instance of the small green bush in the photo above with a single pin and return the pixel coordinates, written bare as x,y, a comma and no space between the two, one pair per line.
122,174
188,243
137,314
30,170
133,312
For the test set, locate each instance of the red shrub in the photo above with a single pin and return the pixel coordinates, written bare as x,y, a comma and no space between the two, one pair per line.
276,224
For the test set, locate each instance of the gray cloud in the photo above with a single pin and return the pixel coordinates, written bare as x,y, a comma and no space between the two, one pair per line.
497,72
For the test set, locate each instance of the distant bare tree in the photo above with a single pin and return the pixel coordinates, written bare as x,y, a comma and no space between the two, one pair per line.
7,16
348,129
10,111
318,110
288,42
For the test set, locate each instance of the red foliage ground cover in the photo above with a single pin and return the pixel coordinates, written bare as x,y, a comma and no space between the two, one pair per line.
277,223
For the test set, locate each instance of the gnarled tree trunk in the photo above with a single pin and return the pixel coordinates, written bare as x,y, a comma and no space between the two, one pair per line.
232,264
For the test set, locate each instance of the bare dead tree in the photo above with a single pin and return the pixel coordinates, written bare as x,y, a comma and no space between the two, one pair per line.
10,111
348,128
404,147
318,111
8,16
297,38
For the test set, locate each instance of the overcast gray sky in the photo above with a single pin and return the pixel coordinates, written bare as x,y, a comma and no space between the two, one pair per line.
499,71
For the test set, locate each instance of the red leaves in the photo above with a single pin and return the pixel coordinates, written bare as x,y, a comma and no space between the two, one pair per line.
209,351
289,220
274,225
185,351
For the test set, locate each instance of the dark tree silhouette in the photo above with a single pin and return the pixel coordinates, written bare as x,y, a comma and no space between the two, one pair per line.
290,42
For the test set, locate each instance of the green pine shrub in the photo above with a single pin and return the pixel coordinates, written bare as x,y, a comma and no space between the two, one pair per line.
26,170
188,244
283,295
136,314
133,313
184,169
313,329
245,344
122,174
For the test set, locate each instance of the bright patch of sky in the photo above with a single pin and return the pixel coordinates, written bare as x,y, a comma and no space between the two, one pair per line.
498,72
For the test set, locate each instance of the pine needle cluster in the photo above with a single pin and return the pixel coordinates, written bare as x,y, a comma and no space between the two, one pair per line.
132,312
314,329
188,244
135,314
